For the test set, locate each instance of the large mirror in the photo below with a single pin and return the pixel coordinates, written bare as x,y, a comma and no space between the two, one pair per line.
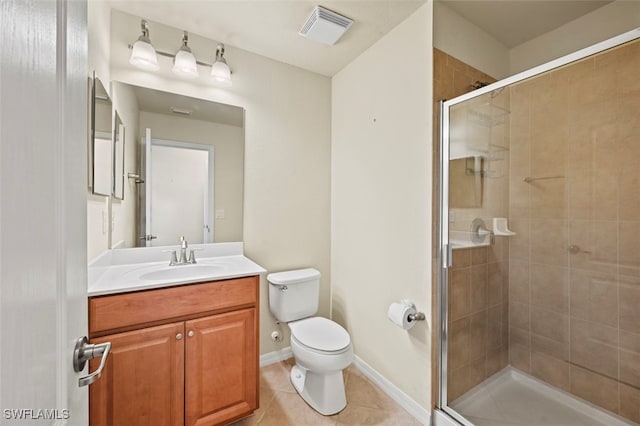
101,139
190,166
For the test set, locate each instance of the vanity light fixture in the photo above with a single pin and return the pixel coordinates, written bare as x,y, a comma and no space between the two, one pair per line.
184,63
143,55
220,71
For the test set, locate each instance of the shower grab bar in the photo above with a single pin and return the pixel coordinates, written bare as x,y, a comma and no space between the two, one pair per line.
531,179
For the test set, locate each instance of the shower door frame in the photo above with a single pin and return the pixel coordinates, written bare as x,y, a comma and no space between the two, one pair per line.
445,251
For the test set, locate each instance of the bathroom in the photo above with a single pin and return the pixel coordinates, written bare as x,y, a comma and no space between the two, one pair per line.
309,198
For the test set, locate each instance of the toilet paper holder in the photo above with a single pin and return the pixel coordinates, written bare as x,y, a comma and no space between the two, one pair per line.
418,316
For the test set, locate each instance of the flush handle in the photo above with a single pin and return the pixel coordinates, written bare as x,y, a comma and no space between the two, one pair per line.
83,352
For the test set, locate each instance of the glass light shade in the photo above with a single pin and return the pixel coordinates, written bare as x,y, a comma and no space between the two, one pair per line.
184,64
221,73
144,56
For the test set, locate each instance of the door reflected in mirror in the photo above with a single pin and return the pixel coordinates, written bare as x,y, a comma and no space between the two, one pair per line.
200,197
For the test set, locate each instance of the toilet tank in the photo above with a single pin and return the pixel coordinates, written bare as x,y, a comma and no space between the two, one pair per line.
294,295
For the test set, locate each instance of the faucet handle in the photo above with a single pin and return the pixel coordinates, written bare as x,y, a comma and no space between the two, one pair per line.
192,255
183,242
174,259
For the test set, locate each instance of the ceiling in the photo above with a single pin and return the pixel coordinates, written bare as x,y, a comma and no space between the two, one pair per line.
270,27
515,22
151,100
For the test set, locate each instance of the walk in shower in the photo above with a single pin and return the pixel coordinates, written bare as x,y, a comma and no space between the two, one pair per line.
539,286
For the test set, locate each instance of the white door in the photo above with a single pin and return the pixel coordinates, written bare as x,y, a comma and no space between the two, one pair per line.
179,191
43,175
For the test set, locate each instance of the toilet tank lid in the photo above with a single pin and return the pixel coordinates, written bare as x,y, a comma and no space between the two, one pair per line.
293,277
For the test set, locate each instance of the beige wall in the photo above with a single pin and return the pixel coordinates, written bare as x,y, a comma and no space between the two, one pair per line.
601,24
381,191
287,150
458,37
228,142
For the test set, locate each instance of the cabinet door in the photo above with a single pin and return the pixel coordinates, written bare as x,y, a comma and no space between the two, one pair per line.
143,381
221,367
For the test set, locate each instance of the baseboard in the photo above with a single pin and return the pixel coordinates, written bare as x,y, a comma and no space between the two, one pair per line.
275,356
412,407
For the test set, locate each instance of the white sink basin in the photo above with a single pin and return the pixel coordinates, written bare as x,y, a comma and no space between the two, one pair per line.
181,272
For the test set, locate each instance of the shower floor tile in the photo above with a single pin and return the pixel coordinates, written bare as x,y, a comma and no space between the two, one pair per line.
512,398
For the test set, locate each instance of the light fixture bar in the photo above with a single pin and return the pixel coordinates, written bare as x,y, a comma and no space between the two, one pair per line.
172,55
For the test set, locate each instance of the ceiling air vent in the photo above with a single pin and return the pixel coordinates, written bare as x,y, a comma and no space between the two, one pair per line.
325,26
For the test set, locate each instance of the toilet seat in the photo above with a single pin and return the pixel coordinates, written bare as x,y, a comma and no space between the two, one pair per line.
320,335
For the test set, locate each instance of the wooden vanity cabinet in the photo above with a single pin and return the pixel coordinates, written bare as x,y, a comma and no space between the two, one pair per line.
190,362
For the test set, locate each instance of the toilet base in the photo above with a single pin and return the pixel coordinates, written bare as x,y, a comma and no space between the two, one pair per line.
323,392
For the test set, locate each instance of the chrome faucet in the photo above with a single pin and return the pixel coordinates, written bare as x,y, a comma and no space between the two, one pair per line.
183,254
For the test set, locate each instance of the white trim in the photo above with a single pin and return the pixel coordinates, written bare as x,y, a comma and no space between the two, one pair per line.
416,410
275,356
440,418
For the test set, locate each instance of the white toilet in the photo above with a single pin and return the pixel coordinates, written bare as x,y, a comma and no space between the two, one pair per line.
321,347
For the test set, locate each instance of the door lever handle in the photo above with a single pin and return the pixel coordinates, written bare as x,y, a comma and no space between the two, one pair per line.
83,352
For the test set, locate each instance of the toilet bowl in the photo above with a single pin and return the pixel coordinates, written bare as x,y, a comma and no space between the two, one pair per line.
321,347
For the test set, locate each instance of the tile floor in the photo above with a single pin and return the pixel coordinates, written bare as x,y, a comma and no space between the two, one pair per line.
280,405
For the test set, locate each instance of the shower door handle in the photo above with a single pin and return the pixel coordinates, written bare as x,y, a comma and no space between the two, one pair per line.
447,258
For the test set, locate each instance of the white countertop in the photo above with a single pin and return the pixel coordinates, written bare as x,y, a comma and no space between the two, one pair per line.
125,270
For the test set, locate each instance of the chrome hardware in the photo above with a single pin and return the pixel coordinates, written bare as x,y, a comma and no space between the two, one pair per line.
190,333
529,179
135,176
183,251
179,336
83,352
479,231
148,237
192,256
173,259
283,288
418,316
574,249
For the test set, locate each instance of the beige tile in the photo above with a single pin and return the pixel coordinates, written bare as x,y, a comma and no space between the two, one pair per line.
519,243
461,258
499,251
598,244
459,335
519,315
459,293
580,194
479,288
605,195
498,273
547,155
479,255
266,398
550,347
552,370
495,326
594,296
477,371
457,382
630,402
549,324
548,199
629,303
519,281
288,409
594,347
520,358
550,287
629,248
276,376
519,197
478,335
630,368
549,241
520,337
354,414
579,142
361,391
595,388
630,341
497,359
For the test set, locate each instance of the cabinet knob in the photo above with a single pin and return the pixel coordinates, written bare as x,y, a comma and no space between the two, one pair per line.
191,333
179,336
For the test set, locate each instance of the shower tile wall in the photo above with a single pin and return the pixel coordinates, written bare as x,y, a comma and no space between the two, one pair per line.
478,285
574,317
